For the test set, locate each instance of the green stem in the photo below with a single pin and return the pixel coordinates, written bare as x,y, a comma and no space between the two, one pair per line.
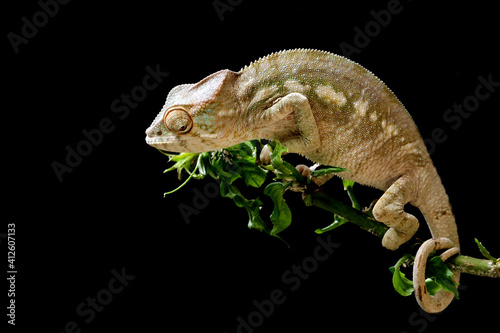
474,266
187,180
461,263
322,200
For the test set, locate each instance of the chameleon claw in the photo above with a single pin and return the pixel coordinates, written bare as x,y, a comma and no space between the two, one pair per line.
304,170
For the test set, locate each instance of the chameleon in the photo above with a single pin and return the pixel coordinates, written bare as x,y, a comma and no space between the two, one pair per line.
334,112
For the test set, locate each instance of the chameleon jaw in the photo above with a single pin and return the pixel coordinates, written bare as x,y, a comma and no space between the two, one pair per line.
167,144
186,144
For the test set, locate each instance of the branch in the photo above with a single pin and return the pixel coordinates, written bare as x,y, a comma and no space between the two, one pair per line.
461,263
474,266
322,200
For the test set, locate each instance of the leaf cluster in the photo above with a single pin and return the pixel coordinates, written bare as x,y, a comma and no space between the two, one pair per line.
438,276
242,162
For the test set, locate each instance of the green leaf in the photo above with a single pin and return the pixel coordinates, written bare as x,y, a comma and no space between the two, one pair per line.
294,174
254,220
183,162
442,275
243,149
205,166
239,162
242,165
226,170
227,190
281,216
485,252
348,186
277,149
326,171
401,283
432,286
338,221
253,206
252,174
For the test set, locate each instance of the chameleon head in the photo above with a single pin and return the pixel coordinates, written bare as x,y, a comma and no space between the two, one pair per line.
174,130
196,118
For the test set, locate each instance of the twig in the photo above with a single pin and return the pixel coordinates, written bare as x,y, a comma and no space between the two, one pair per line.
474,266
324,201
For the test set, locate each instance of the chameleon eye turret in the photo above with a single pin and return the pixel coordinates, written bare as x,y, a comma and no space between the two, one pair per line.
178,121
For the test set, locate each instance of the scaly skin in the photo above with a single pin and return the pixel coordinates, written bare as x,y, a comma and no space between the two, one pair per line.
328,109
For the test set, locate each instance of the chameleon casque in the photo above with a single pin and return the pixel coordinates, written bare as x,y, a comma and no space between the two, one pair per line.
334,112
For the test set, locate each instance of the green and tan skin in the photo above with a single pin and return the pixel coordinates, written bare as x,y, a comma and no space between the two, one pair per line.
334,112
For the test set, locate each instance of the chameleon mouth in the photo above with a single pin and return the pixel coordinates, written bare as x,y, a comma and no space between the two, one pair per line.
168,143
154,135
158,141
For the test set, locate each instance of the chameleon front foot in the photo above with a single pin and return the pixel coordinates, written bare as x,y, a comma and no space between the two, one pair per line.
306,172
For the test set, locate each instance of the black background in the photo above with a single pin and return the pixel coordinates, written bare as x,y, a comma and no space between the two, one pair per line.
109,212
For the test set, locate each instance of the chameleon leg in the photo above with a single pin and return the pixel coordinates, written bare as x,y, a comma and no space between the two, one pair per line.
389,210
298,105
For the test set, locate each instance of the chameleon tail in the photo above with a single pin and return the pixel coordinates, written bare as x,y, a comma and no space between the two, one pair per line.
439,301
437,212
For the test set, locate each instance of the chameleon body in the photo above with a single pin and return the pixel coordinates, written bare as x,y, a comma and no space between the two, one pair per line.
332,111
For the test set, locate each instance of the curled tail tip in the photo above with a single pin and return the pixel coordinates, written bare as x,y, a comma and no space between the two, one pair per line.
441,300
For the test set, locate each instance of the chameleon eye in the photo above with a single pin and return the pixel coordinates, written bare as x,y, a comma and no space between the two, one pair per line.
178,121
